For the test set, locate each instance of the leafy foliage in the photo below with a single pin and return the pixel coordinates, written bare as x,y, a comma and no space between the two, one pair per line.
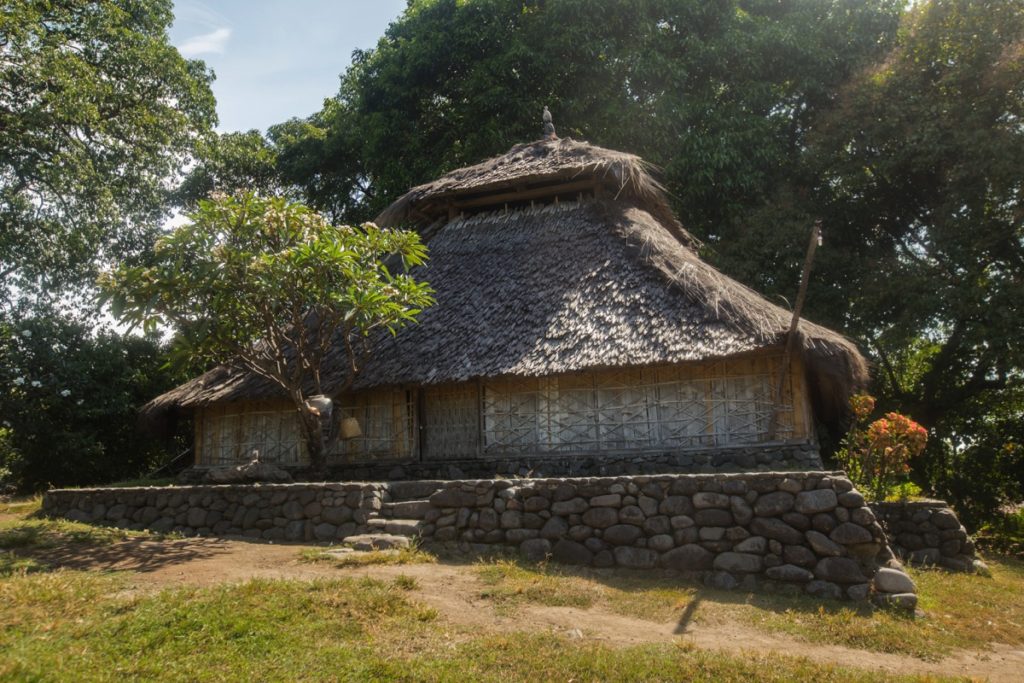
877,455
97,113
717,93
68,400
230,163
271,286
920,165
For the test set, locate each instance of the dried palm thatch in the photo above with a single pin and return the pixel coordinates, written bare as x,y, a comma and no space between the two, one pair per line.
563,287
536,166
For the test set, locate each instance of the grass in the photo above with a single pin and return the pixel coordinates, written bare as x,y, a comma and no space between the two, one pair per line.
84,627
12,564
406,583
21,506
61,624
399,556
510,584
30,534
961,610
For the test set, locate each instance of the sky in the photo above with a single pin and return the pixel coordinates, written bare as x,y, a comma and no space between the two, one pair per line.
276,59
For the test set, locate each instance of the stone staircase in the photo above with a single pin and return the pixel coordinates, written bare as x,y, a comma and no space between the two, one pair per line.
402,511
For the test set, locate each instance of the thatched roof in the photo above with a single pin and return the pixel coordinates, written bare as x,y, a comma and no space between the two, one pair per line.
563,287
538,167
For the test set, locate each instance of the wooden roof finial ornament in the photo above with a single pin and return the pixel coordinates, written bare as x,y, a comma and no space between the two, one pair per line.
549,128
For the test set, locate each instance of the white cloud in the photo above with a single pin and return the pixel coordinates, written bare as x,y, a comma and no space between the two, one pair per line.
212,42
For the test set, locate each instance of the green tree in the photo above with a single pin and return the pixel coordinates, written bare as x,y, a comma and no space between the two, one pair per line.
98,112
68,401
270,286
920,182
719,94
229,163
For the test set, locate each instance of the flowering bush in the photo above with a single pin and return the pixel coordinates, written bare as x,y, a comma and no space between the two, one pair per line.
877,455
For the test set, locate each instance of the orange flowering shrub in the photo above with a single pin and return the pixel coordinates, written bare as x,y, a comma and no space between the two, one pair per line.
877,455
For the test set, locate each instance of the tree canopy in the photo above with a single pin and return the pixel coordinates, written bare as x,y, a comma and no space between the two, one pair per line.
97,115
269,286
899,126
919,165
68,400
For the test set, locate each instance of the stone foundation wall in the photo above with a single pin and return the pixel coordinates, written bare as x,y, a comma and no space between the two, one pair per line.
795,532
782,531
927,532
276,512
797,457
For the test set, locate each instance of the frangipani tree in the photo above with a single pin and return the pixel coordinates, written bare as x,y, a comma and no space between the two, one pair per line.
270,286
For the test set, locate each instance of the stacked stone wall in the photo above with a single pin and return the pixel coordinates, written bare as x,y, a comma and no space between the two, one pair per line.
793,532
787,531
928,533
276,512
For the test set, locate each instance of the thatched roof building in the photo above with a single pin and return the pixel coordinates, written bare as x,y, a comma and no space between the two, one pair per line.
561,275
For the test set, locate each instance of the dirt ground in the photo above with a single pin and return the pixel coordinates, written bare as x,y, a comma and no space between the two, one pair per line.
454,591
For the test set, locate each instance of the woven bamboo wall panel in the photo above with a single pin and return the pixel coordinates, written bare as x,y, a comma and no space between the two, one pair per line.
233,433
724,403
387,420
230,433
707,405
451,421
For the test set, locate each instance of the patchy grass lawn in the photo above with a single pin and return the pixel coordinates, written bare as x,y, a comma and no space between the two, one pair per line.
95,626
21,533
85,627
21,506
961,610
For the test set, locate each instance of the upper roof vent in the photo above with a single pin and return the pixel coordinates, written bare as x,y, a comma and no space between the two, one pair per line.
549,127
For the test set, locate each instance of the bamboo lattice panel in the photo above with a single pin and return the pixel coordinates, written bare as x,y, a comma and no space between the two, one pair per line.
711,405
451,421
230,434
387,420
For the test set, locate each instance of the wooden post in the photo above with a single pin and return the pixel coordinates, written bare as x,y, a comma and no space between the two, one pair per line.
792,334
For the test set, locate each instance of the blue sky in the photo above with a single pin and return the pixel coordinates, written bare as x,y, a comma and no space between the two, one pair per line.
276,59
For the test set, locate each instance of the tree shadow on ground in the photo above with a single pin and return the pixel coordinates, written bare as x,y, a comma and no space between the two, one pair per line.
137,554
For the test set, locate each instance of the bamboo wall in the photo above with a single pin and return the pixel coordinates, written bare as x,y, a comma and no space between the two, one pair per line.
228,433
694,406
701,405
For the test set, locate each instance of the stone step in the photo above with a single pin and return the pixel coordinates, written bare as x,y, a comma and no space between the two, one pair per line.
413,490
403,527
406,509
377,542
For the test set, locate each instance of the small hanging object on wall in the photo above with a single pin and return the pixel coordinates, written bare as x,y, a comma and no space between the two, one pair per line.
549,127
350,428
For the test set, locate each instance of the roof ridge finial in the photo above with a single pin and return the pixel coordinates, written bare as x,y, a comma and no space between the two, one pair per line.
549,128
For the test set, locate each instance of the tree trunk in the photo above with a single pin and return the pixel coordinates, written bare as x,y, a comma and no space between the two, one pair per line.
313,431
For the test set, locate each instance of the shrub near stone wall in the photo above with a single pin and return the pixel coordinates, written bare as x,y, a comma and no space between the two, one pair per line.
288,512
927,532
793,532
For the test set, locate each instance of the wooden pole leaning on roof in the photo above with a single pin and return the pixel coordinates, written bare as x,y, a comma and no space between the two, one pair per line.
793,333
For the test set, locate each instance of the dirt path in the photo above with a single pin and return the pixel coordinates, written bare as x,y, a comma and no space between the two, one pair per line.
454,590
